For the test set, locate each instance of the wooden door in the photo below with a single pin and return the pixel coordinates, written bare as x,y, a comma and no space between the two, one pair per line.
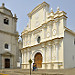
38,60
7,63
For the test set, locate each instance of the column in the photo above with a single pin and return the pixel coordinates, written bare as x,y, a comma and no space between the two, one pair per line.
57,28
22,59
29,39
25,57
50,30
50,53
48,56
44,57
32,38
28,55
43,33
25,40
29,21
22,56
57,52
44,14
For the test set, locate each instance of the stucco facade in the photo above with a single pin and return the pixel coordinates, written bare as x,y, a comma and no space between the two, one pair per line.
44,39
8,39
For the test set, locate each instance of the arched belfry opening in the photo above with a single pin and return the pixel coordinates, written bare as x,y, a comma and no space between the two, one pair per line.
38,60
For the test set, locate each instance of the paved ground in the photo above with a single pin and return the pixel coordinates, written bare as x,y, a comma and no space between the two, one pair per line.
39,72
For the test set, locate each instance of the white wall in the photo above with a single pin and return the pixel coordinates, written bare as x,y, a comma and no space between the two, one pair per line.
69,50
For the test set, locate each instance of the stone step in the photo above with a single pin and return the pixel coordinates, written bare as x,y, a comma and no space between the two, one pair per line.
39,72
27,73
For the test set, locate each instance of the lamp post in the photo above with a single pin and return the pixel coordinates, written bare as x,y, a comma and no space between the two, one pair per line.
30,61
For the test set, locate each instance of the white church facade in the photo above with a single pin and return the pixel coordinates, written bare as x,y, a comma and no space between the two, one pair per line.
47,40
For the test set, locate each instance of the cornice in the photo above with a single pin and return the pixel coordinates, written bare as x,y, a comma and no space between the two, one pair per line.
37,31
33,29
39,26
50,21
60,16
8,15
67,29
14,34
59,12
51,40
44,24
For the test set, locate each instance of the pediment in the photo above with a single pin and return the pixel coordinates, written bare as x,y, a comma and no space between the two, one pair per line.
38,7
7,53
6,11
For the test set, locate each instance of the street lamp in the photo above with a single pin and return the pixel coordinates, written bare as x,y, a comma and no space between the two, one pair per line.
30,61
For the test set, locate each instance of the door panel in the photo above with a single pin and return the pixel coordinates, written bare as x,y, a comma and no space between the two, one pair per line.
38,60
7,63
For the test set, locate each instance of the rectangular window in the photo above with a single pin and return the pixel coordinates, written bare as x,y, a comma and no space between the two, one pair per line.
6,21
6,46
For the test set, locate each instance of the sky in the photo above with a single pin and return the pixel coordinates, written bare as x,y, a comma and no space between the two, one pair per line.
22,7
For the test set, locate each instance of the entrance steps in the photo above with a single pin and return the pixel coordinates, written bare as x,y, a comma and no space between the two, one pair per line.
39,72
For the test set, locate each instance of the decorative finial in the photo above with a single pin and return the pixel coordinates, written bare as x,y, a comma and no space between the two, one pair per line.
3,4
43,1
58,8
15,15
51,10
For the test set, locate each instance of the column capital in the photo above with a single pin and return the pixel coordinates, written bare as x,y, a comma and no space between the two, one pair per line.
43,45
22,51
56,43
49,43
28,49
25,51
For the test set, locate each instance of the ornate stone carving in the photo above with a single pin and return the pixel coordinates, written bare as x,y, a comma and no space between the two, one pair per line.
54,32
48,34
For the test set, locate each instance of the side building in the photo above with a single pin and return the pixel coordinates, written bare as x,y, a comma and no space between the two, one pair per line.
8,39
47,40
20,45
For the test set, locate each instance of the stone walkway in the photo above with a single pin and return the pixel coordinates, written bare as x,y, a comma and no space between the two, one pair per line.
39,72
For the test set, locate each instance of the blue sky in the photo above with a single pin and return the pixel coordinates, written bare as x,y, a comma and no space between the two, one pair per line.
23,7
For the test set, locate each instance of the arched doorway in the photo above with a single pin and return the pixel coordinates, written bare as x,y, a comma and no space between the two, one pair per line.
7,63
38,60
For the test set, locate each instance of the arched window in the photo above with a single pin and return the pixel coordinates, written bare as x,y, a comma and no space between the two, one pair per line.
6,21
6,46
38,39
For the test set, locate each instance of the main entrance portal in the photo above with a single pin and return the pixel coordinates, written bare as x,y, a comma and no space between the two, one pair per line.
38,60
7,63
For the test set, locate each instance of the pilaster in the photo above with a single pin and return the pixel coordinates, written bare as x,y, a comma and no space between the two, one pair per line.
44,53
57,51
25,57
57,26
50,52
44,15
22,57
29,21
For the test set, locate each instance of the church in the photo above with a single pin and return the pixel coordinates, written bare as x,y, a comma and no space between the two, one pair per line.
47,41
8,39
